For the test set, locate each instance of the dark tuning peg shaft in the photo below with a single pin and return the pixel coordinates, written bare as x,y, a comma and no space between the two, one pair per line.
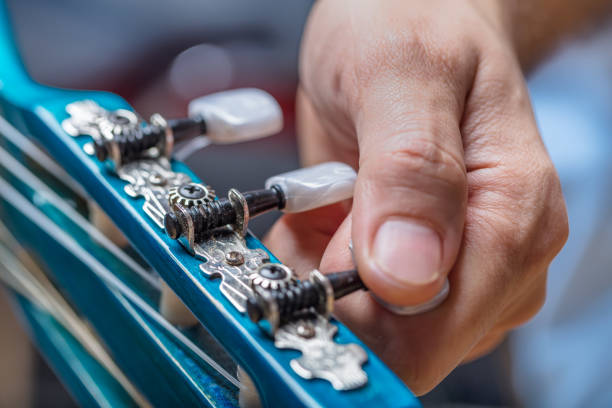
235,210
318,292
133,143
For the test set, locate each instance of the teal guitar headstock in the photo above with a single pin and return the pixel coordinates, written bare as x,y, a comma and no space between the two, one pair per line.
279,330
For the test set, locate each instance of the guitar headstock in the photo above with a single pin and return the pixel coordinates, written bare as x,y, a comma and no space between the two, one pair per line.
200,245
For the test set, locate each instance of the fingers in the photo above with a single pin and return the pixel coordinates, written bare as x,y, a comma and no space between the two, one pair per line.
452,177
411,192
423,349
299,240
316,144
514,225
401,94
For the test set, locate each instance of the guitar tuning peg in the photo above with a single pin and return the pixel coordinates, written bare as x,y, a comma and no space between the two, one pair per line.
277,304
315,186
295,191
238,115
222,118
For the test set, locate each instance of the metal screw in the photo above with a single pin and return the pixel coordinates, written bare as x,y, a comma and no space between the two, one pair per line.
234,258
192,191
306,331
272,271
88,148
157,179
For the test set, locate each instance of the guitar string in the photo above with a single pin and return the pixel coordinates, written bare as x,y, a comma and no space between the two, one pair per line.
38,156
33,284
24,174
186,149
20,140
27,209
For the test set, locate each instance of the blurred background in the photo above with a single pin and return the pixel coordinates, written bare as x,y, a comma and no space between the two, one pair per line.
160,54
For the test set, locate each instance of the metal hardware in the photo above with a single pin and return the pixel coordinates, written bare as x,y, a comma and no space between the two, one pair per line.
234,258
312,335
235,210
190,194
318,293
306,330
214,232
340,364
272,276
89,118
160,134
225,117
235,284
118,135
152,179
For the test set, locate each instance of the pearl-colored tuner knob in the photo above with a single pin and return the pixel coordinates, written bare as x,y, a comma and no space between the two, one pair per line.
315,186
238,115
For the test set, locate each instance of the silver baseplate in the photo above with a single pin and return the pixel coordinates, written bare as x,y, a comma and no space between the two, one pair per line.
151,179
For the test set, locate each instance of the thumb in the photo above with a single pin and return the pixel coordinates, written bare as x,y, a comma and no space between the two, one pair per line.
411,193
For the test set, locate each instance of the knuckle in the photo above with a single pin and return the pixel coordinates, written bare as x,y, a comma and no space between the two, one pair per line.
528,216
519,314
553,221
531,308
499,85
420,179
537,302
424,159
411,52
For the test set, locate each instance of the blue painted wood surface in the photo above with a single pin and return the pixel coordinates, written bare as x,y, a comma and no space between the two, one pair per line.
38,111
90,384
164,371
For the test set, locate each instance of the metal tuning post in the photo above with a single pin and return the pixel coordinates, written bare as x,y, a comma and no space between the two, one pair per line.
295,191
298,314
235,210
280,303
225,117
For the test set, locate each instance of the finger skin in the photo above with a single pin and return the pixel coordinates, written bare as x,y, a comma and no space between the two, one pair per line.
411,171
439,137
300,239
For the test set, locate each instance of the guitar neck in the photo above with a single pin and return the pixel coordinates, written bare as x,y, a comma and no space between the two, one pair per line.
202,282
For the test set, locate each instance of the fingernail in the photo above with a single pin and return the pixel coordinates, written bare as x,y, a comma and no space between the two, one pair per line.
407,252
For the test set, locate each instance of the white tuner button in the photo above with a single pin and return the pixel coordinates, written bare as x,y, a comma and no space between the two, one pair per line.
316,186
238,115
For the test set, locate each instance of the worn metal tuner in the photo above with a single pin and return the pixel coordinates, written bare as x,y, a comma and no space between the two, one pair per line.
159,134
278,304
295,191
235,210
225,117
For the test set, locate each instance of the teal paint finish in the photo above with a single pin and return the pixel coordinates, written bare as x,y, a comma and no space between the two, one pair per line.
38,111
87,381
147,356
155,362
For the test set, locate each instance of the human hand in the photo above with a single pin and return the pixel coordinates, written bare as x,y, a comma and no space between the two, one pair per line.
427,100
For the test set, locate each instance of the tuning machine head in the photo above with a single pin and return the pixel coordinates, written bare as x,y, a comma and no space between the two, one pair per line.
295,191
223,118
281,303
